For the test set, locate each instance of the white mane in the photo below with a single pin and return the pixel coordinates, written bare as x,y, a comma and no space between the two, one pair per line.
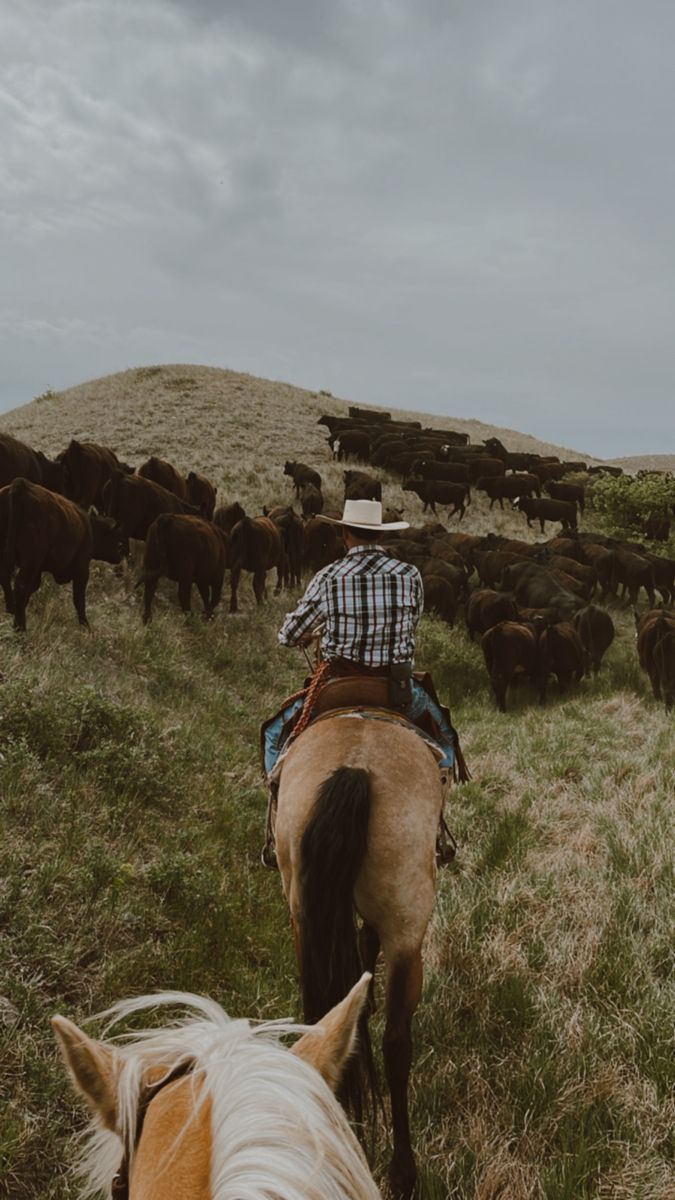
277,1131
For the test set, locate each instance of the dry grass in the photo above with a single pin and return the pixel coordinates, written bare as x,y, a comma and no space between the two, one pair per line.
131,821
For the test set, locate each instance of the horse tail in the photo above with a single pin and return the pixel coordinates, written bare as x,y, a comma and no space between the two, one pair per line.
332,851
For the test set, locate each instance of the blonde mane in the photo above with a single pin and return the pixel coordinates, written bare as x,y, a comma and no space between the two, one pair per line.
276,1129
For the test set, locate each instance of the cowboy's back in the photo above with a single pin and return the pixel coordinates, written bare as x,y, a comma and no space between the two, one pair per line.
369,604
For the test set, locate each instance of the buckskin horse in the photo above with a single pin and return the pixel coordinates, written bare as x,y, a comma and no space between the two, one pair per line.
213,1109
357,815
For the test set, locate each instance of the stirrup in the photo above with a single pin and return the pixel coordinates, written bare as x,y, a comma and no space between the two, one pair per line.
268,857
446,846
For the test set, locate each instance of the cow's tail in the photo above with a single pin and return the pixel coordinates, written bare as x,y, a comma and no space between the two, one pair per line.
155,560
16,503
333,847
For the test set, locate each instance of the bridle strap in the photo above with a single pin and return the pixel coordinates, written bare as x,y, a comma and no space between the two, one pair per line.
120,1183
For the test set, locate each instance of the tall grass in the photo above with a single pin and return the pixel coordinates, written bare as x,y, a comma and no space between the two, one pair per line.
131,822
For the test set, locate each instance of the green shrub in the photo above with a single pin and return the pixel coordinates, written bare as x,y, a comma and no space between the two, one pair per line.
632,507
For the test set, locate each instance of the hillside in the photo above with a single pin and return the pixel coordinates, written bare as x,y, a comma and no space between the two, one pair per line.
212,420
645,462
131,821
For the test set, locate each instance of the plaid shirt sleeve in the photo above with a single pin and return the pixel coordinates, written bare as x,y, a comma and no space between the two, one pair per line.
420,598
310,612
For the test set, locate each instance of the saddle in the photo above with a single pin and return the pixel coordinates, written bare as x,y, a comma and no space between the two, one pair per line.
354,691
324,693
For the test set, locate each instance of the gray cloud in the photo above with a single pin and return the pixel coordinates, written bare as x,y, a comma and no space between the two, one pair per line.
460,207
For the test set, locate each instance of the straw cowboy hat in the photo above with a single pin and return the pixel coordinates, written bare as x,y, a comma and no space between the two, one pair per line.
364,514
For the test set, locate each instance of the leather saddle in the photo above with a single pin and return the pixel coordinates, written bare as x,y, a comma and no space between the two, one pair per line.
354,691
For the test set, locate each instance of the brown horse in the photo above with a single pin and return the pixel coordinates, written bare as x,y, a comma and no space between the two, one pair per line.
358,810
211,1109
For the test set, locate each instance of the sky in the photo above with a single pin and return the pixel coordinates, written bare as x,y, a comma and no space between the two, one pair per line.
458,206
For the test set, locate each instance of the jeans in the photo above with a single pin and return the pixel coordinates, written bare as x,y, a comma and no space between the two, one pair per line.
421,703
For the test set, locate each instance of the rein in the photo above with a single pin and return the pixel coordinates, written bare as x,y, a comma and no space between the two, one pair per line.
120,1185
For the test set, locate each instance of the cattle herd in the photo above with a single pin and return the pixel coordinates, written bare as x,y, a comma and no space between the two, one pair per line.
538,608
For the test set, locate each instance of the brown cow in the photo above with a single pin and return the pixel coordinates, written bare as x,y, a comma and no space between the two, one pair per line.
42,531
596,631
664,667
633,572
166,475
292,532
256,546
322,544
311,500
561,653
511,653
440,597
228,515
88,468
187,550
360,486
301,474
135,502
490,564
19,461
650,628
486,608
202,494
664,576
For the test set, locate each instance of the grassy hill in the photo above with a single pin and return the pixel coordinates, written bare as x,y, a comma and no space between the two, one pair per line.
131,814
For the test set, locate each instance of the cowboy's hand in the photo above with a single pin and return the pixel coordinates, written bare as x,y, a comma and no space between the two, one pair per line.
306,639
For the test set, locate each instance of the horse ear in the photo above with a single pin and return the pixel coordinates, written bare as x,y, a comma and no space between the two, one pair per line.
329,1045
92,1067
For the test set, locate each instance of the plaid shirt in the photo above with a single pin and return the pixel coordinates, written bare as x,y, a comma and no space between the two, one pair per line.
370,604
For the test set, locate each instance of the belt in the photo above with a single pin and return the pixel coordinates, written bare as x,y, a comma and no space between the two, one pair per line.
346,666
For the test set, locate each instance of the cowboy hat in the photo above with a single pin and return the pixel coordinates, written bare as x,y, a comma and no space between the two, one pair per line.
364,514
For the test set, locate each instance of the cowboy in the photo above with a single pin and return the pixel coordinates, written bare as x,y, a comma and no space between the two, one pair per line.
369,605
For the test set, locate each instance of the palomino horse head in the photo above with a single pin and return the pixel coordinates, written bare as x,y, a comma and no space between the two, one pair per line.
210,1108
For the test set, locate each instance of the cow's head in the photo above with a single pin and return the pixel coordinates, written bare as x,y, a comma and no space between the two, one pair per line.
111,544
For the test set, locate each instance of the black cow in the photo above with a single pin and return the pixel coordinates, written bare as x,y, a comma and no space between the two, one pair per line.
436,491
547,510
301,474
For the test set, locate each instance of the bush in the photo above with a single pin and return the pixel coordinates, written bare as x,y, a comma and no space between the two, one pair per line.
635,508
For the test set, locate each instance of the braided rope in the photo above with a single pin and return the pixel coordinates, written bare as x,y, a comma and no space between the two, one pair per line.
316,683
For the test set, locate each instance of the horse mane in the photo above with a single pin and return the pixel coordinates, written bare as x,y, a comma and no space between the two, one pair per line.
276,1129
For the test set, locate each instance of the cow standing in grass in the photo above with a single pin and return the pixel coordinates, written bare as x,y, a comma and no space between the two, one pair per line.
42,532
188,550
256,546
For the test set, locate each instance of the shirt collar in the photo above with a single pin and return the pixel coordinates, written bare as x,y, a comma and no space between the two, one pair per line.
366,547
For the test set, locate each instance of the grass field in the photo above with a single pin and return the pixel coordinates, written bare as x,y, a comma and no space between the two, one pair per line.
131,818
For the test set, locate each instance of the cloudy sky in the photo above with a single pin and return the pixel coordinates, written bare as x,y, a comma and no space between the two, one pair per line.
462,206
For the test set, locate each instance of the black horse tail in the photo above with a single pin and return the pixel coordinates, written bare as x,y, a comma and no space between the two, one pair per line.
332,851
